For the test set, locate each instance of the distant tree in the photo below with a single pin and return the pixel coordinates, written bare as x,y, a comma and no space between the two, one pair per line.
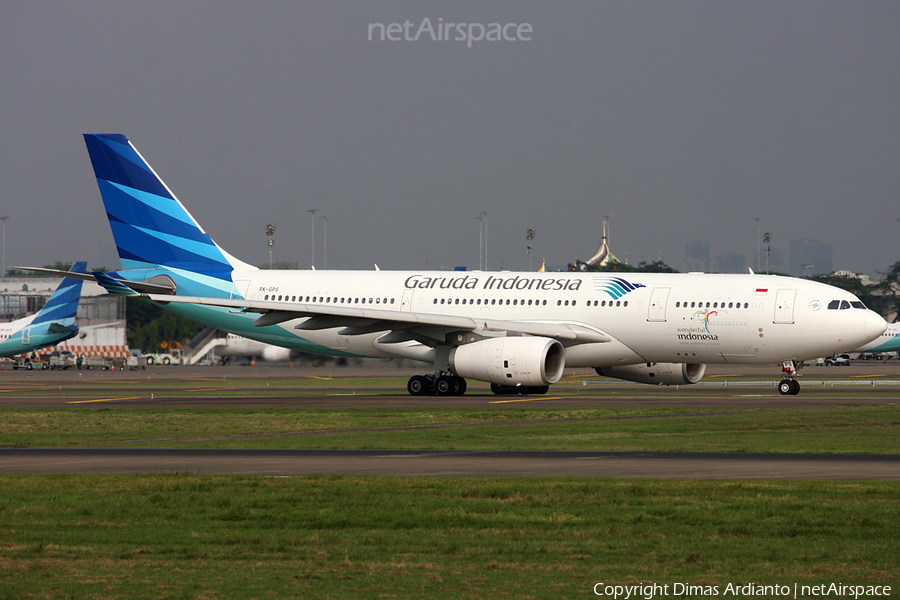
281,265
149,326
889,287
615,266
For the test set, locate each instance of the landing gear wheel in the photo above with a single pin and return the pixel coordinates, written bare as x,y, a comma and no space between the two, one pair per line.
446,385
789,387
417,386
503,390
460,386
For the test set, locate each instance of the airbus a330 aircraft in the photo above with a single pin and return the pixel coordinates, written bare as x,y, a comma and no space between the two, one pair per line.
515,330
53,324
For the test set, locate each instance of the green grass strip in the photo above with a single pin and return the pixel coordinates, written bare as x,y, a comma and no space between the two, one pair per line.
862,429
182,536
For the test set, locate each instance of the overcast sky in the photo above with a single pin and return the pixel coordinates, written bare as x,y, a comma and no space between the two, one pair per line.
681,120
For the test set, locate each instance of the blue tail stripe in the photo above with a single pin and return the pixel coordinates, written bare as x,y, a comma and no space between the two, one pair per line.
63,304
163,214
115,160
151,228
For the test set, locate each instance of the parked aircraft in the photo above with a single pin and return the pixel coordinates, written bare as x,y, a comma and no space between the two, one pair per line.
238,346
517,331
53,324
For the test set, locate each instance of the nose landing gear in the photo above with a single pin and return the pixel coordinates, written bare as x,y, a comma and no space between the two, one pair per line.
789,386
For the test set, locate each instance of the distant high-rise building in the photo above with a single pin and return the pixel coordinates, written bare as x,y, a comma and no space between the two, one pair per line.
696,256
729,262
810,257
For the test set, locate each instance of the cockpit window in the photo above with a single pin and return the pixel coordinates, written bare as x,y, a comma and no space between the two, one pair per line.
844,305
858,304
834,305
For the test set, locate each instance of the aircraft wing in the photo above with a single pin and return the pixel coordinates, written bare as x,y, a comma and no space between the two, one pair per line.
401,326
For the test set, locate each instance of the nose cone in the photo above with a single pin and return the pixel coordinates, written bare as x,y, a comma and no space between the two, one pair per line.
873,326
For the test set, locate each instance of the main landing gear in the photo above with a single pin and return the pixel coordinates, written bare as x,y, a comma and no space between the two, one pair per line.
446,384
437,384
789,386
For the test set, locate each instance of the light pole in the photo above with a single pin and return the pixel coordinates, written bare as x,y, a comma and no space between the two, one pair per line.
757,243
480,243
4,219
325,226
767,238
270,231
312,213
529,235
484,215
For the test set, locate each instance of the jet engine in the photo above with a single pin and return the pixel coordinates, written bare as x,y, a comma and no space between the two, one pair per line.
656,373
527,361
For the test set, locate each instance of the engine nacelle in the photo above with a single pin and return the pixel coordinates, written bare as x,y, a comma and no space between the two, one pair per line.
656,373
527,361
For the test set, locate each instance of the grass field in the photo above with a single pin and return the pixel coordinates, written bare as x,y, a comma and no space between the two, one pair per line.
183,536
188,536
860,429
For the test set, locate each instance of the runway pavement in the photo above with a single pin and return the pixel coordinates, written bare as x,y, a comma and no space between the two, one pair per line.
284,463
304,388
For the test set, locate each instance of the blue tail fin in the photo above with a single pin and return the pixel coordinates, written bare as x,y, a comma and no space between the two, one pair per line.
63,304
150,226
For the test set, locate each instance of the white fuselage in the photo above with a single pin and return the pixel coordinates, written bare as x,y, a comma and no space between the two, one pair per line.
680,318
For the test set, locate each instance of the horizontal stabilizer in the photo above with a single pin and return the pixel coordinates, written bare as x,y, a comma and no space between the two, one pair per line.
61,329
160,285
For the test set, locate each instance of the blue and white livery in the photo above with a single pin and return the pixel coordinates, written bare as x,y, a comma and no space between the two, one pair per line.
53,324
517,331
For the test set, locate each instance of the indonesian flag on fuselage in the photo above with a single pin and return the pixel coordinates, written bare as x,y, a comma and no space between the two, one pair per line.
762,291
